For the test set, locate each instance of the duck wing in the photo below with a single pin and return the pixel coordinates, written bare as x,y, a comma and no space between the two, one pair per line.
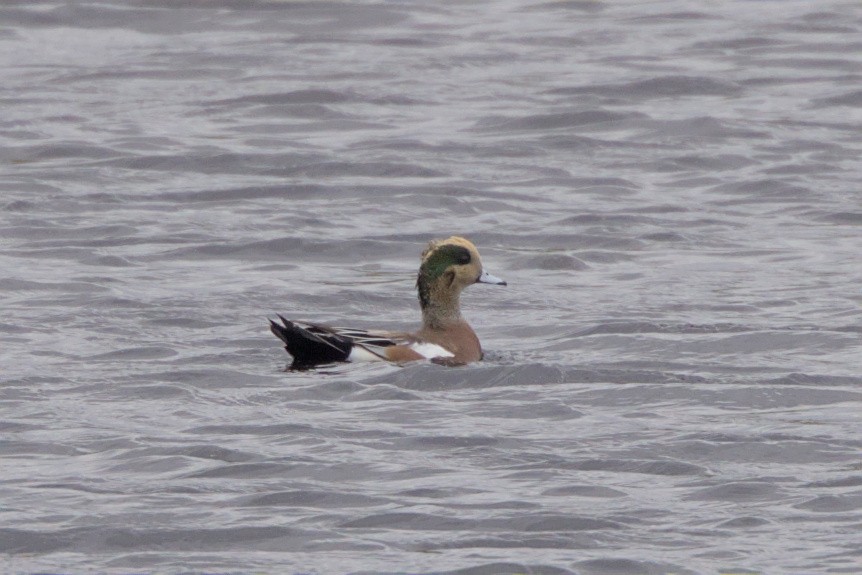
313,344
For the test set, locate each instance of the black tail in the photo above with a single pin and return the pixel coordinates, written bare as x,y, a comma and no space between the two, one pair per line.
311,345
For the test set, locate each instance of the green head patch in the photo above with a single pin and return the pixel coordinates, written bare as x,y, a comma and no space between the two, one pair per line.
436,264
441,258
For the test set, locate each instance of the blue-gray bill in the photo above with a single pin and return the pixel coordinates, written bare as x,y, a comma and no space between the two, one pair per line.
486,278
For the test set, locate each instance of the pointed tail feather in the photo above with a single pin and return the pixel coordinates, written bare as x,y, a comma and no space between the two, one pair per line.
310,348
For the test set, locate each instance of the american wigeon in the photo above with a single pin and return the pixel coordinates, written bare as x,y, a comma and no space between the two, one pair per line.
448,266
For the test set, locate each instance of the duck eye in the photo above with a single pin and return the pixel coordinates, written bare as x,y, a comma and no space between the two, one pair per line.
463,258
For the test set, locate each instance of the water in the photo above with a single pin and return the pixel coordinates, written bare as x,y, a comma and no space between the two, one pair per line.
673,375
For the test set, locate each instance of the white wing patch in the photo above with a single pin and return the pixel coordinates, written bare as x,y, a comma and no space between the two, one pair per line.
359,353
371,346
430,350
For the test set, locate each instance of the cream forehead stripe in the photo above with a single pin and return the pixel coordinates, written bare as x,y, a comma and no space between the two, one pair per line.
454,240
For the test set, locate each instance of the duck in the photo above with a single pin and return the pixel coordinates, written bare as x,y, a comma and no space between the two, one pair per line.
447,267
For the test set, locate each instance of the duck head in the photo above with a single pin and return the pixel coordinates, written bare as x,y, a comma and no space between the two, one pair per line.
448,266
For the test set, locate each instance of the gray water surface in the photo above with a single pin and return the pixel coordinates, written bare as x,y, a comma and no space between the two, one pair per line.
673,377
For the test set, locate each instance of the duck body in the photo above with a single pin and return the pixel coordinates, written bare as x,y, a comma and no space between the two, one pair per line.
448,266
